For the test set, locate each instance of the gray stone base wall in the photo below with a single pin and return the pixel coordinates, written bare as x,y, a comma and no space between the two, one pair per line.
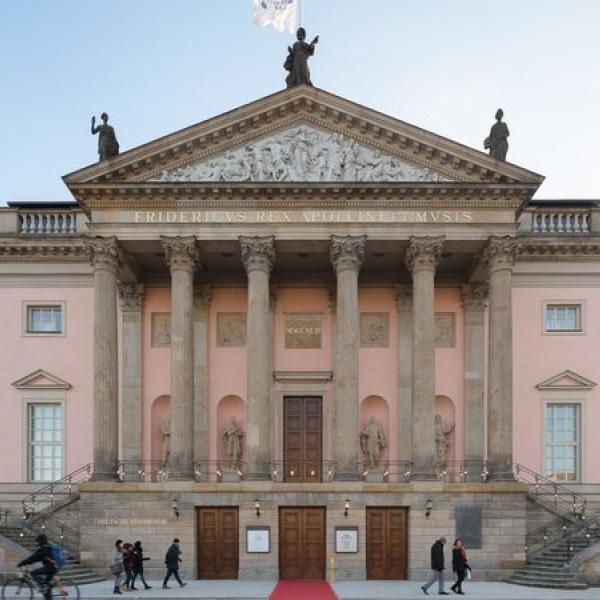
144,512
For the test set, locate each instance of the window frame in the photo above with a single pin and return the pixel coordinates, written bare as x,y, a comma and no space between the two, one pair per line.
32,444
32,304
581,304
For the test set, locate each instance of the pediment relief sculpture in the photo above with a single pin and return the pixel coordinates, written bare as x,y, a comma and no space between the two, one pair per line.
303,154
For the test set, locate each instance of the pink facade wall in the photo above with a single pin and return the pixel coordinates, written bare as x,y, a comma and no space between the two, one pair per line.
68,357
538,357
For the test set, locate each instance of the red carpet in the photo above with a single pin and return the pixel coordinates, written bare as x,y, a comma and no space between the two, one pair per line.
303,590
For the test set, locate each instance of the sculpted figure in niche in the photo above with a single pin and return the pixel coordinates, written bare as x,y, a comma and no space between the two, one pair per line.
497,141
442,439
165,431
372,442
107,140
232,437
297,60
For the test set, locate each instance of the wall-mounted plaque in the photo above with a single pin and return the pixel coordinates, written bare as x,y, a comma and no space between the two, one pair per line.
374,330
469,526
346,540
445,330
231,330
258,540
160,328
302,330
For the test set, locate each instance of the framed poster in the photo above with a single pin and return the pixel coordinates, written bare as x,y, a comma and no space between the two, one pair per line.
346,539
258,540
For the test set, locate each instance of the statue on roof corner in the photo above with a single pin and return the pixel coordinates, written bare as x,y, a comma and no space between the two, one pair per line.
497,141
297,60
108,147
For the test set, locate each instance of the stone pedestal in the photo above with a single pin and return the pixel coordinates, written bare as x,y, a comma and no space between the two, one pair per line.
347,255
131,297
258,256
106,258
422,258
182,257
499,257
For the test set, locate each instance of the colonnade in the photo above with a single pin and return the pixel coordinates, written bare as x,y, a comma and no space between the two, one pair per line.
416,357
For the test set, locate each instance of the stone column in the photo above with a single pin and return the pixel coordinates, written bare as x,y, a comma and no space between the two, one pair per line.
131,296
106,258
202,298
405,333
474,303
499,258
258,256
347,256
182,257
422,257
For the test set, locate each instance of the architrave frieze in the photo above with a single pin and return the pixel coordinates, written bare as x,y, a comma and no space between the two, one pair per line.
43,251
320,108
554,249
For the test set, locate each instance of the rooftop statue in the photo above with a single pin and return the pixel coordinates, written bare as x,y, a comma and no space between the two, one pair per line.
297,60
497,141
108,147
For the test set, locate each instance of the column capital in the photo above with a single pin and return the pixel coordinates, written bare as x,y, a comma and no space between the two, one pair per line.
202,296
500,252
475,296
258,252
424,253
131,296
104,253
181,253
347,252
404,296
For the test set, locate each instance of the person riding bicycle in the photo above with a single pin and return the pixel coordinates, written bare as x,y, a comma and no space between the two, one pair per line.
44,574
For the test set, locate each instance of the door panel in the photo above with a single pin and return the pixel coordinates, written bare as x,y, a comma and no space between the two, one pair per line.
218,543
302,543
387,543
302,439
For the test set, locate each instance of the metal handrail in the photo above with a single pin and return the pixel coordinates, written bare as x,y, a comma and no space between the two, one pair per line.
214,470
142,470
463,471
390,470
302,470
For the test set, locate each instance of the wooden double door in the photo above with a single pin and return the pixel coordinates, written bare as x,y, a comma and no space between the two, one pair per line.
302,542
302,438
218,543
387,543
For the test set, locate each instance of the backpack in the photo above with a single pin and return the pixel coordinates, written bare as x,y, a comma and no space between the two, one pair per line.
57,554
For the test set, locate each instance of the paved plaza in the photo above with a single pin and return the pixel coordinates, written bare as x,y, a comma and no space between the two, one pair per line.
363,590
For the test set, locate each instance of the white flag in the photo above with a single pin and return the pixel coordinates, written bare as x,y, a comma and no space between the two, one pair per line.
282,14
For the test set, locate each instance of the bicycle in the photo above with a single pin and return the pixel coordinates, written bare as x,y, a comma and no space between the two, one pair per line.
23,585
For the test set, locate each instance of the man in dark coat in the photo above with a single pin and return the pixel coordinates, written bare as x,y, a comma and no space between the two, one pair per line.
172,560
44,574
437,567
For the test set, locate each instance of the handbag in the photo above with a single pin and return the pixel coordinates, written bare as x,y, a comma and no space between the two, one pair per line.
116,568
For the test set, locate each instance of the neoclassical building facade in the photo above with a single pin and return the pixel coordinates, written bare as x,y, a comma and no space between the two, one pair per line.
306,338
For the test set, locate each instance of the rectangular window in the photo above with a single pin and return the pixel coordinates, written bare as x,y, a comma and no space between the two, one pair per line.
563,317
46,440
562,442
45,318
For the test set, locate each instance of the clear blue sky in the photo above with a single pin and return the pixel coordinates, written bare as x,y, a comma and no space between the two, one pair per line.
159,65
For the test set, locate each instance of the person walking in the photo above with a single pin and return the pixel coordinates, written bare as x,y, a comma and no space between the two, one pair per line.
116,565
128,566
437,567
172,560
138,564
459,565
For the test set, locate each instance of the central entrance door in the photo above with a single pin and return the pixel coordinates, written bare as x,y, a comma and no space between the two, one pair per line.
302,438
218,543
302,543
387,542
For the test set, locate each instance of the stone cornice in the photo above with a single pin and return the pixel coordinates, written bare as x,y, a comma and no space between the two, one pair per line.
451,195
568,248
307,104
44,251
347,252
424,253
258,253
181,253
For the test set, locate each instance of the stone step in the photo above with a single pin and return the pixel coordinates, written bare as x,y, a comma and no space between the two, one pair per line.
543,583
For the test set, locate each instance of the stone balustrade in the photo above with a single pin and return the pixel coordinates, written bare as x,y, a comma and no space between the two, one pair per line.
41,222
574,221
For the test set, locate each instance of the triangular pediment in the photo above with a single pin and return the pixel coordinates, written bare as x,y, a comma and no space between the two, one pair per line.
566,380
41,379
296,124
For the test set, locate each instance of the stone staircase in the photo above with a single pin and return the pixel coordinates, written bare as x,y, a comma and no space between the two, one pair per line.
550,567
73,569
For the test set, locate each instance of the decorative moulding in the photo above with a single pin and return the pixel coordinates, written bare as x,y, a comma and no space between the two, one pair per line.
41,379
302,376
566,380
